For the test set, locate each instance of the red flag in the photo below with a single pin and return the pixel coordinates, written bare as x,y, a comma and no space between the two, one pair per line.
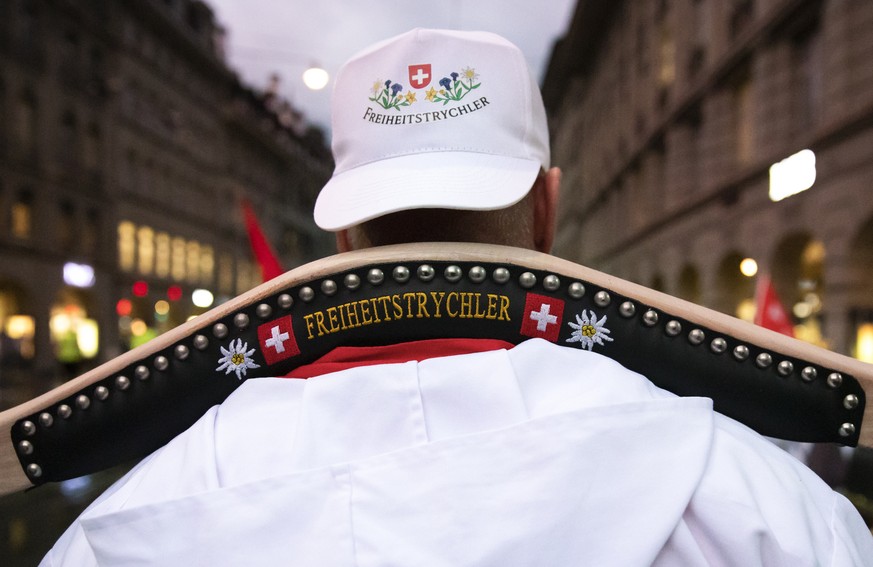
270,267
770,313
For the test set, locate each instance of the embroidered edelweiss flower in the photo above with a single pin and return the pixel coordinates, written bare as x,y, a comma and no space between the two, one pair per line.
470,74
588,330
430,93
236,359
377,87
410,97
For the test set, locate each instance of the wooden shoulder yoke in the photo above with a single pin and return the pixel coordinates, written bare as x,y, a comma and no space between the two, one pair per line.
137,402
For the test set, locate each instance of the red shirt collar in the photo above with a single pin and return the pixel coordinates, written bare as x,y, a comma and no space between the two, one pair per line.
342,358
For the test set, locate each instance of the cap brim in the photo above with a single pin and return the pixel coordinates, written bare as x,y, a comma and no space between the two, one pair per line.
437,180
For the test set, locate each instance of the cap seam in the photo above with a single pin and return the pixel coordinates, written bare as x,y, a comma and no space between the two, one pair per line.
431,150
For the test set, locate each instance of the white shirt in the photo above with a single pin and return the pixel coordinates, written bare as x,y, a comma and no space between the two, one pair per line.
540,455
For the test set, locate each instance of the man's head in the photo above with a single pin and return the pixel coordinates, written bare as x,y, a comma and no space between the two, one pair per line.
439,135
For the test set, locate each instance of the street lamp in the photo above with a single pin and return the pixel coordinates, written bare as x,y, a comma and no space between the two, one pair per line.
315,78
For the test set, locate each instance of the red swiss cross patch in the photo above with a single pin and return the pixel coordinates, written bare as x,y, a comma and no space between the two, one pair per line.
542,317
419,76
277,340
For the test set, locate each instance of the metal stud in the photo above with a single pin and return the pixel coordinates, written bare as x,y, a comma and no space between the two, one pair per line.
400,274
200,342
501,275
263,310
219,330
141,372
835,379
627,309
847,429
28,428
375,276
122,383
64,411
25,447
101,392
576,290
425,272
34,470
83,401
453,273
764,360
785,367
808,374
673,328
477,274
241,320
306,294
527,280
851,402
352,281
161,363
285,301
718,345
650,318
551,282
696,336
602,299
328,287
741,352
181,352
46,419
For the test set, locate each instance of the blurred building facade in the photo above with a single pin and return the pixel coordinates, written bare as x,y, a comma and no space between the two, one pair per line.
666,118
126,148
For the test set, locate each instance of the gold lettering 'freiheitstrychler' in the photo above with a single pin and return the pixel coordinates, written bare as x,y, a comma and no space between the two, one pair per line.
411,305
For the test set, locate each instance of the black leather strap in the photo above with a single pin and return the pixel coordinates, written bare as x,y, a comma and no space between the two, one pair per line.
131,413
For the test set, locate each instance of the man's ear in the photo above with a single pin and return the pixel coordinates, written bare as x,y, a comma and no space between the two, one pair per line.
343,242
546,191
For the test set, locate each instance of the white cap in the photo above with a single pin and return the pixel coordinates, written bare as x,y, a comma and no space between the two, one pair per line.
433,119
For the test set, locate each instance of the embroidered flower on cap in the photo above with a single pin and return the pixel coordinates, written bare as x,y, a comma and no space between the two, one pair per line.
588,330
388,96
456,87
237,359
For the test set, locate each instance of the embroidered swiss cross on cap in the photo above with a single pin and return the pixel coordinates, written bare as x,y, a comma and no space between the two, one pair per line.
542,317
277,340
419,76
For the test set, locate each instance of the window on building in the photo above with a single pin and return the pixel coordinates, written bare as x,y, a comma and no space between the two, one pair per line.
744,123
666,56
207,265
21,215
742,13
162,254
807,85
145,250
16,327
177,259
701,24
192,265
66,227
126,246
3,117
642,50
66,148
90,232
25,117
26,26
225,274
91,149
